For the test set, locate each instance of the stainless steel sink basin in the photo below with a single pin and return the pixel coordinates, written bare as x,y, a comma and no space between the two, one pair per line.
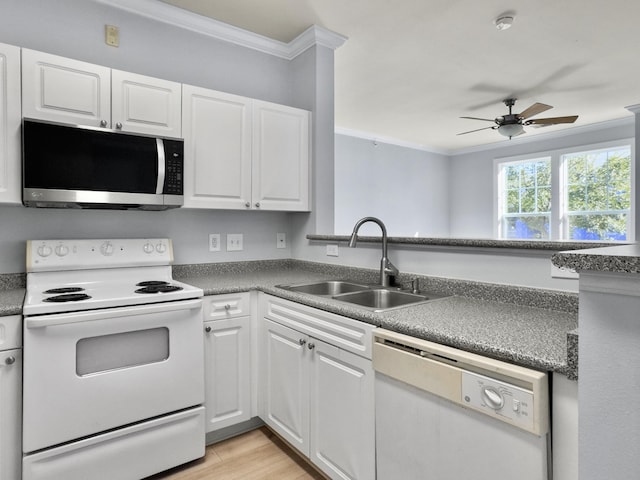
382,299
325,288
375,298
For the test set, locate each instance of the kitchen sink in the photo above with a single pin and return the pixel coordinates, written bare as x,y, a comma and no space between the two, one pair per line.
375,298
325,288
382,299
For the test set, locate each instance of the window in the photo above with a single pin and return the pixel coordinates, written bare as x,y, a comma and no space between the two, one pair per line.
567,195
526,199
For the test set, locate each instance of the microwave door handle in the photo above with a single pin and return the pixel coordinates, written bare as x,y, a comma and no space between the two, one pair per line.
161,166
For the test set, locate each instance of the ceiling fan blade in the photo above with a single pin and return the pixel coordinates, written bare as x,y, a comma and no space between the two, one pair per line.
476,118
477,130
551,121
534,109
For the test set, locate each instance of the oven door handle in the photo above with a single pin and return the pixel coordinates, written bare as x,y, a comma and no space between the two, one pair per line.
42,321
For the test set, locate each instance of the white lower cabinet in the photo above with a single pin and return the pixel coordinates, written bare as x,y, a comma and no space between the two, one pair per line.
227,360
318,396
10,397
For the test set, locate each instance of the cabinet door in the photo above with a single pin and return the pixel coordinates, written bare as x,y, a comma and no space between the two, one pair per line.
342,416
227,372
217,136
10,118
286,402
146,105
280,157
63,90
10,414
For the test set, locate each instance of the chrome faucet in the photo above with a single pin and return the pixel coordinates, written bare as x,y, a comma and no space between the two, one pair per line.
387,269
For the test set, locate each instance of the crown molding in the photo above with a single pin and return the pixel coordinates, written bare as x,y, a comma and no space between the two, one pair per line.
163,12
388,140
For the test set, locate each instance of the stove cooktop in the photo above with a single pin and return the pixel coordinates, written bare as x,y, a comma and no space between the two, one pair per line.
94,274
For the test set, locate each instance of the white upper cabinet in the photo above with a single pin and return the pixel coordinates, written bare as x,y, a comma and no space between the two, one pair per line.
63,90
280,157
244,154
217,134
10,119
145,104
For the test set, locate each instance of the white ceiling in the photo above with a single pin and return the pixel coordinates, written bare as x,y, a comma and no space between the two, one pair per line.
411,68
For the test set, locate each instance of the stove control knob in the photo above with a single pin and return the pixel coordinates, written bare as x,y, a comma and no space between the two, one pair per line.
44,250
106,249
62,250
161,248
148,248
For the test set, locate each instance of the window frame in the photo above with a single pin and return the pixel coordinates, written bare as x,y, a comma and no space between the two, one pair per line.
559,225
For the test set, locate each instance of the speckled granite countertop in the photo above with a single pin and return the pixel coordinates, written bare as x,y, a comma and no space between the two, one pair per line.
526,335
469,242
619,259
11,301
498,321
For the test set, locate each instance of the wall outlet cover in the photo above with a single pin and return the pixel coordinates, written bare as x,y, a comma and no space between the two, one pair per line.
281,240
214,242
332,250
234,242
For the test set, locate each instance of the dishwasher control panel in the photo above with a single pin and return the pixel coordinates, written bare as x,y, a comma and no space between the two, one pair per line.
498,399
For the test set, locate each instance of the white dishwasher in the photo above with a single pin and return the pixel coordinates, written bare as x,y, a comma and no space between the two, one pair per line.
447,414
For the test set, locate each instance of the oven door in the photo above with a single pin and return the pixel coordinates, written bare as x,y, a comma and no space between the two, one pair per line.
88,372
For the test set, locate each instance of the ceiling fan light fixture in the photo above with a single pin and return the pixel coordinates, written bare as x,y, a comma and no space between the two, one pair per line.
504,22
510,130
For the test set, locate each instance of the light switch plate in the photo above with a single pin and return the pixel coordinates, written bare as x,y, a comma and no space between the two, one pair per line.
281,240
234,242
112,35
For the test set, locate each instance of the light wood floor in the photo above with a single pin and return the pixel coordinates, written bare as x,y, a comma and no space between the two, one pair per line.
256,455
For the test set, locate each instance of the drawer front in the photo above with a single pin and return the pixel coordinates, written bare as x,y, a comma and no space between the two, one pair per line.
10,332
222,307
342,332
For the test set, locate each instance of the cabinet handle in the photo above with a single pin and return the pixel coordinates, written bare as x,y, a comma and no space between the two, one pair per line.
10,360
118,126
311,346
227,307
103,123
207,329
302,341
248,205
257,204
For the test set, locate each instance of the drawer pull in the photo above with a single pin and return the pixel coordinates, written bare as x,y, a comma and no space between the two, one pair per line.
302,341
227,307
207,329
10,360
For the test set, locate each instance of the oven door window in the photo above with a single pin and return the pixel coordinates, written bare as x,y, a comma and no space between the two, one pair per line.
121,350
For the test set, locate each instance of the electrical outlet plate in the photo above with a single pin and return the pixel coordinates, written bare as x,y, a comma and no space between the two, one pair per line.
332,250
234,242
214,242
281,240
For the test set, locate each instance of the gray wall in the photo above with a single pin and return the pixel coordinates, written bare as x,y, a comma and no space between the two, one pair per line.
404,187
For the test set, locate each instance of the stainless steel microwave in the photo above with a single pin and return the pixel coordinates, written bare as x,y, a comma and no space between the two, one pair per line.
69,166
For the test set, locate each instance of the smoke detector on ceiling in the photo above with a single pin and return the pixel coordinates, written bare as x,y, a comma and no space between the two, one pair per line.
503,22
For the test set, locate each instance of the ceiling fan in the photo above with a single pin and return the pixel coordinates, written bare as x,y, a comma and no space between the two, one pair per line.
512,124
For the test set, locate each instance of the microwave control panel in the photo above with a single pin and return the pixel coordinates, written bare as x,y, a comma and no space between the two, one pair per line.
174,162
